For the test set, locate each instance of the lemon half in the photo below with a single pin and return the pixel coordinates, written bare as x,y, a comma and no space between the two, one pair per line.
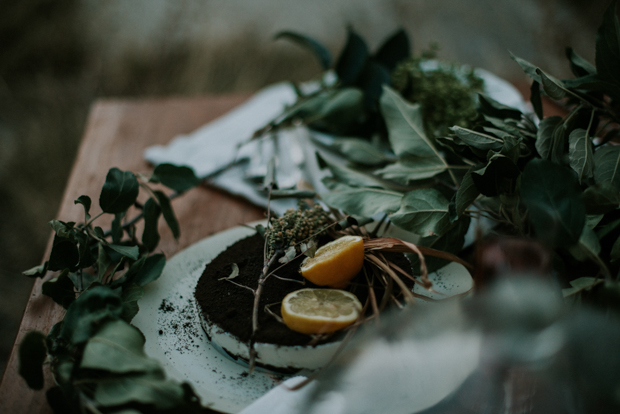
335,263
314,311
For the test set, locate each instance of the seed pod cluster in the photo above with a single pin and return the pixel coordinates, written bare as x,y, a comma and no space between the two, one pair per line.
295,226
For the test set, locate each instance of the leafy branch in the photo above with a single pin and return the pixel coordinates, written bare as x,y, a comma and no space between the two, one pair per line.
96,357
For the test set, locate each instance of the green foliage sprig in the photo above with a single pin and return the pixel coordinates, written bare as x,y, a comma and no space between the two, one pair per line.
556,181
96,357
347,105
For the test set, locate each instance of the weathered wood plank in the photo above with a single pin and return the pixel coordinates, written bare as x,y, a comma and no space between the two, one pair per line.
117,133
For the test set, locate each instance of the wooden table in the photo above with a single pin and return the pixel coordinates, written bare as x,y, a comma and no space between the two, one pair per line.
116,134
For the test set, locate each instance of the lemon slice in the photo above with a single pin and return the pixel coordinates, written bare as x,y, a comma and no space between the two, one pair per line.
335,263
313,311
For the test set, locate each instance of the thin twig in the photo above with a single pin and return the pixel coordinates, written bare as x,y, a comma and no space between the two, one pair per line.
240,285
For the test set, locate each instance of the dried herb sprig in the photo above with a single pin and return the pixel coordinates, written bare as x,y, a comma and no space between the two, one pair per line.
447,94
295,226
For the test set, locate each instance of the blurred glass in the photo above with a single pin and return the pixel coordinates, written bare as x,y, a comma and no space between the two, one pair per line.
516,348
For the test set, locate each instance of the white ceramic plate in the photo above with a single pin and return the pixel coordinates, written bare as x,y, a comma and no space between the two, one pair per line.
170,323
174,336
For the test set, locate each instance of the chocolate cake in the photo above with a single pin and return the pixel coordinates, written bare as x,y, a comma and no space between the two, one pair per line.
226,308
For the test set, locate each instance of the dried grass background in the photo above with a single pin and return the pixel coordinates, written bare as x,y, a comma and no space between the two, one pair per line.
58,56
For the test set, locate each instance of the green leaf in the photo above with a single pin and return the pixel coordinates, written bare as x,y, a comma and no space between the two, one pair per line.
512,148
306,108
119,191
99,232
150,389
130,274
508,125
544,137
536,100
423,212
608,228
466,194
552,86
64,255
614,255
450,241
592,220
478,139
129,251
493,108
580,284
498,133
497,177
32,353
346,175
411,169
588,247
343,107
59,402
130,296
352,59
86,202
527,67
607,165
119,348
320,52
132,293
87,279
151,269
552,195
359,151
177,177
130,310
371,82
362,201
593,83
63,230
601,198
166,209
608,46
150,235
406,128
394,50
579,65
88,312
60,289
581,154
462,150
37,271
